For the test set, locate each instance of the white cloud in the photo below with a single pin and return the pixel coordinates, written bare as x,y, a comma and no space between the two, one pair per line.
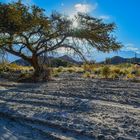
104,17
82,8
131,47
85,8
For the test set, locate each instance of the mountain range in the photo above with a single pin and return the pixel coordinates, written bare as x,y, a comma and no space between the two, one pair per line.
63,59
120,60
69,60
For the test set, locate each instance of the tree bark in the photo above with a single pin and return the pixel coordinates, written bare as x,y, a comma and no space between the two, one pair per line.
41,73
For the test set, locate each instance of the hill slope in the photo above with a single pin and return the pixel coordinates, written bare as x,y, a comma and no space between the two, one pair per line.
63,59
120,60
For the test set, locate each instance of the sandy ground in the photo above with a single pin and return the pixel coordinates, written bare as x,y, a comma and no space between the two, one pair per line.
70,108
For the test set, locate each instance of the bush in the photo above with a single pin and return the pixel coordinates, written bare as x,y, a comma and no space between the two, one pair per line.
97,71
106,71
55,72
87,75
125,65
80,71
131,76
71,70
60,69
114,76
116,71
58,62
88,67
135,72
56,75
24,75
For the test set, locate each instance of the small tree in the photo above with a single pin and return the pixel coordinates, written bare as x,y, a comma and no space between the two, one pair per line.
106,71
27,32
2,57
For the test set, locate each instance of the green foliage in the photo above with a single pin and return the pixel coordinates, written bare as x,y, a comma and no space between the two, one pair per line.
20,17
59,62
106,71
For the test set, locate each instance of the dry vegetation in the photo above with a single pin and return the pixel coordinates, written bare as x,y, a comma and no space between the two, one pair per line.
97,71
122,71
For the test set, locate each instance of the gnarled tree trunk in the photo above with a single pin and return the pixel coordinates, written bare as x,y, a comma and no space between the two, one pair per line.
41,71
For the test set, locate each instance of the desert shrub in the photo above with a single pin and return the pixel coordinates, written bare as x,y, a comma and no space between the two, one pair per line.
4,67
60,69
114,76
106,71
58,62
131,76
80,70
55,75
116,71
97,71
87,74
71,70
125,72
24,75
55,72
125,65
135,72
122,73
88,67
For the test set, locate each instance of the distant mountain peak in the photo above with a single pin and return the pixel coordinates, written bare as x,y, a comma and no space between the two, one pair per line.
120,60
64,58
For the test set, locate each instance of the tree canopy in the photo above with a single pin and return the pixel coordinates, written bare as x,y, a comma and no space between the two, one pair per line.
27,32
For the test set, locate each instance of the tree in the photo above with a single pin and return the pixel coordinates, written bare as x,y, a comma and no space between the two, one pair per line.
27,32
106,71
2,56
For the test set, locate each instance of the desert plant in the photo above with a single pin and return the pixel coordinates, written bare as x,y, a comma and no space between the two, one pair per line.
89,67
106,72
80,70
131,76
60,69
114,76
97,71
55,74
87,75
116,71
71,70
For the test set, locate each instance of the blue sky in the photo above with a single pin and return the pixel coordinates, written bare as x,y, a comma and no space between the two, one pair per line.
125,13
